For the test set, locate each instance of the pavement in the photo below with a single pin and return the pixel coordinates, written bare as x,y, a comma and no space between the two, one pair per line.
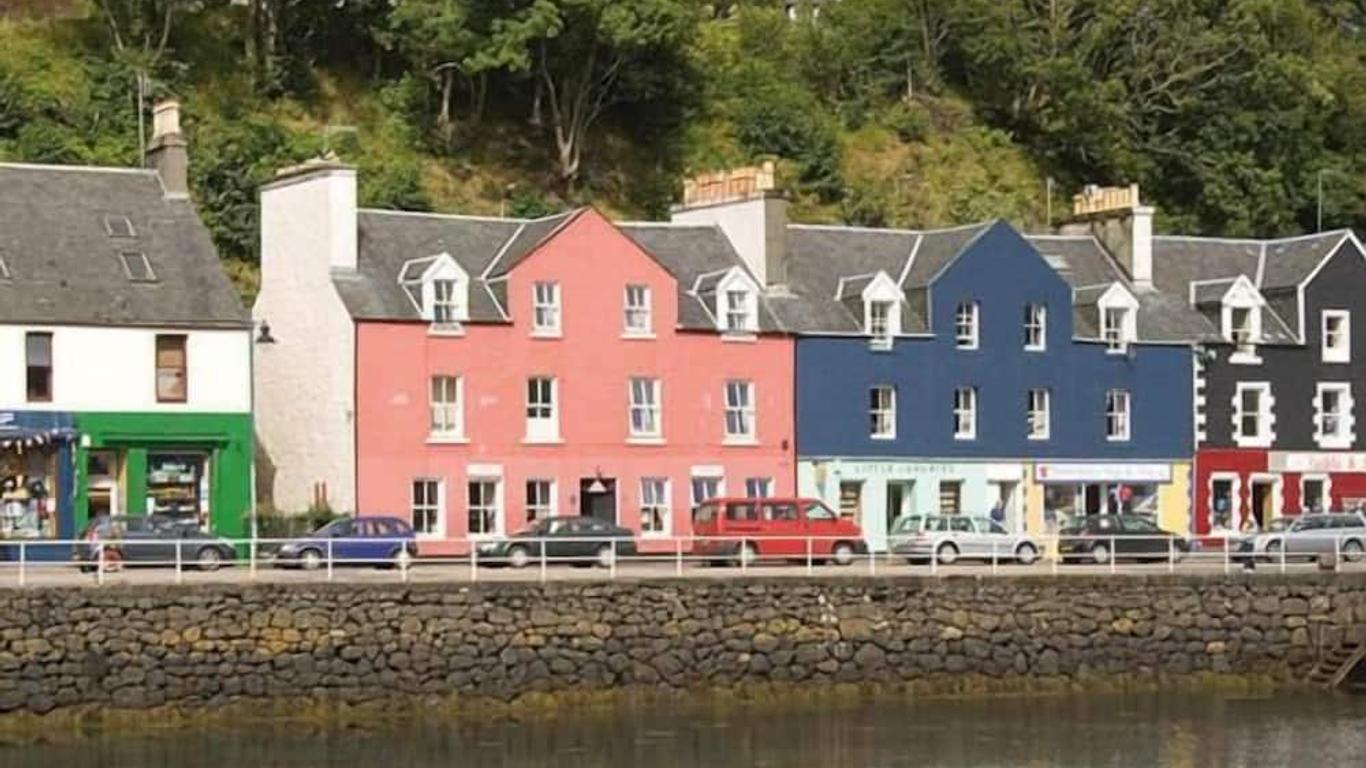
454,571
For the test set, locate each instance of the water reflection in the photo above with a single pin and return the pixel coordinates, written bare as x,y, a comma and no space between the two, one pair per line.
1173,731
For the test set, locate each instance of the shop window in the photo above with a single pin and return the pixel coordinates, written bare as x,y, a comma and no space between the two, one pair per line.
177,485
851,498
654,506
1059,506
950,497
1223,501
38,359
540,500
1314,494
427,503
171,368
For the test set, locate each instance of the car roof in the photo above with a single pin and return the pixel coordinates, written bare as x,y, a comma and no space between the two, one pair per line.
762,500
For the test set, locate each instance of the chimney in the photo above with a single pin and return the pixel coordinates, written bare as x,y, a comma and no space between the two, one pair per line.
747,206
166,152
308,219
1114,216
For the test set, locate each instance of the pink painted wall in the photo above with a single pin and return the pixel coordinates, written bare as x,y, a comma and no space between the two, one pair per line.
593,262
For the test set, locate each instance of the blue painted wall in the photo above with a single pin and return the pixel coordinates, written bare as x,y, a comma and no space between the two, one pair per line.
1002,272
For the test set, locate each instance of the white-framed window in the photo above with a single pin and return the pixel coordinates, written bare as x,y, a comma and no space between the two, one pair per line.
1334,418
965,330
1114,329
707,484
758,487
879,322
740,426
882,413
1035,327
1252,414
425,507
545,308
965,413
446,401
540,499
646,419
1242,330
1117,421
1337,336
542,412
484,500
655,512
448,301
638,313
1038,415
1315,493
740,314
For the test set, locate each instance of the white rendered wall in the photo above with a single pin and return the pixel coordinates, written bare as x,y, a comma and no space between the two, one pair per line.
305,381
105,369
743,222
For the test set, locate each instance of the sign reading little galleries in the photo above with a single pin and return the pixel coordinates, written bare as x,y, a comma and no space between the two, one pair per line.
1101,472
1310,461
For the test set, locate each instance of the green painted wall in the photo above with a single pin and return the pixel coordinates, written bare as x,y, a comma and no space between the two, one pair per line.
226,437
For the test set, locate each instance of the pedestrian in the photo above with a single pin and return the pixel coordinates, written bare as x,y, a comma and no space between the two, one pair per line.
998,513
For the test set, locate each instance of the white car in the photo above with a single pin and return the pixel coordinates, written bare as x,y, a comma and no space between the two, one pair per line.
949,538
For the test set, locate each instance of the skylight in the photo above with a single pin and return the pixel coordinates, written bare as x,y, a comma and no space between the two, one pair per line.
117,225
4,268
1057,261
136,267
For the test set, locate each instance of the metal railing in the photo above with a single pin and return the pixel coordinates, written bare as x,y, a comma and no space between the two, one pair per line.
80,562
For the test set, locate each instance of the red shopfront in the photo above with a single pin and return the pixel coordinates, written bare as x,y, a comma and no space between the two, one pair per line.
1236,487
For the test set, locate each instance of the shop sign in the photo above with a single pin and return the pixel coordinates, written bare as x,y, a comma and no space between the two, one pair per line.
1310,461
1094,472
904,469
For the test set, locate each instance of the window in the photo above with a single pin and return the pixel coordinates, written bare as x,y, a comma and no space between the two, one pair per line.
880,322
705,488
965,413
1314,493
645,416
445,404
1038,414
882,413
4,268
171,369
38,359
425,510
542,423
1242,330
1252,413
545,309
740,313
1337,336
758,487
1117,414
116,225
485,507
950,497
540,500
1113,329
851,498
1334,403
740,411
1035,327
638,319
136,267
654,506
965,325
447,303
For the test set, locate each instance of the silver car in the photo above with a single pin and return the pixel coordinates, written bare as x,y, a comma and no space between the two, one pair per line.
1308,537
949,538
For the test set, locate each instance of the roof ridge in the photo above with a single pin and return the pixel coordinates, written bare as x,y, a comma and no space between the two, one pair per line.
439,215
893,230
80,168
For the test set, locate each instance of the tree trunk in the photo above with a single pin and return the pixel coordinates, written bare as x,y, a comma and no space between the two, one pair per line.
536,95
443,120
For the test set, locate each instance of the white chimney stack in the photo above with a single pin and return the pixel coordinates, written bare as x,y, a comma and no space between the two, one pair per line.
747,206
167,152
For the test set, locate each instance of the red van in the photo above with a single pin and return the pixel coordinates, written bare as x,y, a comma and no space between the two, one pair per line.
744,530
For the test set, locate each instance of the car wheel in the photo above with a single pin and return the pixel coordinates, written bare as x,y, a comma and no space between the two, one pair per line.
310,559
1100,554
1273,551
1352,551
1026,554
519,557
749,554
947,554
606,556
208,559
842,553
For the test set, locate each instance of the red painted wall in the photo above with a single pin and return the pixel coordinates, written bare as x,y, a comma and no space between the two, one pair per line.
1247,462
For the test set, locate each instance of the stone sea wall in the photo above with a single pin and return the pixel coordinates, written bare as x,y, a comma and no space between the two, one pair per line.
144,647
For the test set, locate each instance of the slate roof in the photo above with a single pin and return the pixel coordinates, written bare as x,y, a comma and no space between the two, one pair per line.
65,267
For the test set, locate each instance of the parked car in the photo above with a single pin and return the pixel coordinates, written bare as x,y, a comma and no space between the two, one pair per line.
1308,536
1098,538
150,540
352,541
744,530
949,538
577,540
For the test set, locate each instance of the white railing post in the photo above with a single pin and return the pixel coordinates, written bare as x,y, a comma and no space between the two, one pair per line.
474,561
934,559
541,549
1337,553
251,558
23,563
993,558
99,568
179,572
1284,547
678,556
810,560
872,562
1114,554
612,566
1227,557
329,560
744,559
1171,555
1057,554
403,561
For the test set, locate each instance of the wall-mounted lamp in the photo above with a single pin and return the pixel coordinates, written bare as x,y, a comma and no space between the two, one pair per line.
1204,354
263,333
597,486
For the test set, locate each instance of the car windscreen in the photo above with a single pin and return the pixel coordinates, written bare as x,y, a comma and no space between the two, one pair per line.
908,524
335,528
704,514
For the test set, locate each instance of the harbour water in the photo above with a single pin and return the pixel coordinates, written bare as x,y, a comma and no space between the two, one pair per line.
1148,731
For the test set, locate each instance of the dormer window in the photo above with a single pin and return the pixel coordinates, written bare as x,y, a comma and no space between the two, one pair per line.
439,289
881,311
737,304
136,267
1112,328
1241,330
879,322
737,311
447,306
1242,320
1118,319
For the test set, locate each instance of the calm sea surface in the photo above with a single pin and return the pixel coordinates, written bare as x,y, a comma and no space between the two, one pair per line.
1152,731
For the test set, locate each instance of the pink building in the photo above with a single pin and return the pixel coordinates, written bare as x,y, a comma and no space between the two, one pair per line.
484,372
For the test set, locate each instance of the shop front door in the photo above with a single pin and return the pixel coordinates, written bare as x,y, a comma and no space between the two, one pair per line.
1263,502
598,498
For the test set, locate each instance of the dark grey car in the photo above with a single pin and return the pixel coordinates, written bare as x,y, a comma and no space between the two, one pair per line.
578,540
151,540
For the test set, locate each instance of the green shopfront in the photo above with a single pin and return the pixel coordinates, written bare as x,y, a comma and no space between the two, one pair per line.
195,467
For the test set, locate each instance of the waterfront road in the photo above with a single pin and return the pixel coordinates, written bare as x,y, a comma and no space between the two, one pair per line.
66,575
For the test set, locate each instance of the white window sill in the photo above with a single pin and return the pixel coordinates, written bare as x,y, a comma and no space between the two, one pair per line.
1029,348
882,438
1335,360
542,441
433,536
485,537
1117,351
739,337
447,440
654,535
1333,443
1039,438
445,330
966,347
1244,358
1110,439
740,442
965,438
638,335
547,335
883,344
1252,442
645,440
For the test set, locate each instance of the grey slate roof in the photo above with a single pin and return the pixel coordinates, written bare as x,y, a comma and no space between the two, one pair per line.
64,267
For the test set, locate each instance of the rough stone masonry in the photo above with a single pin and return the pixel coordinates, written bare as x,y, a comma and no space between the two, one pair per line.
141,647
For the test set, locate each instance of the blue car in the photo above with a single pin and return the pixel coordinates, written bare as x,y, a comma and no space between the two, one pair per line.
352,541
